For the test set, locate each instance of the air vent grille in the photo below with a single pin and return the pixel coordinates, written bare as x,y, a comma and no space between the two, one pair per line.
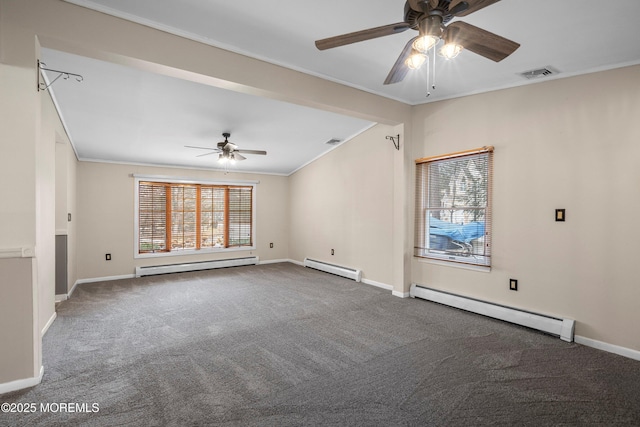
539,73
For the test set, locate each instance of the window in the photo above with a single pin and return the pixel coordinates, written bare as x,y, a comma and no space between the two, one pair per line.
453,207
177,217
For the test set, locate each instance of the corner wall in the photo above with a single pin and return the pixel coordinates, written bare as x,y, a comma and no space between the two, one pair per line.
66,179
570,143
45,210
343,201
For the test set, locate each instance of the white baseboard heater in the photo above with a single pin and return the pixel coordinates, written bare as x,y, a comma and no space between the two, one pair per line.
195,266
349,273
562,328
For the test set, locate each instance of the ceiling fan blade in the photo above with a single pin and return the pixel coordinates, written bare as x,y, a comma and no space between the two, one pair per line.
400,69
359,36
261,152
474,5
481,42
199,148
459,8
207,154
238,156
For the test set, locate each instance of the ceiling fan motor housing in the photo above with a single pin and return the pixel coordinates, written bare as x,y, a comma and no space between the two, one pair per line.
431,25
415,18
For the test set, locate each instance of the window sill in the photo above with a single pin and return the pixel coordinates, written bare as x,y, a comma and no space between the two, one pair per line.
454,264
194,252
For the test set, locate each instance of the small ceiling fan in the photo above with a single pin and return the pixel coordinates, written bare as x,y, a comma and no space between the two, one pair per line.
227,151
429,17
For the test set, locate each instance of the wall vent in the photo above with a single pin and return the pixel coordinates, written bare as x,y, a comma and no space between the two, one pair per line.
539,73
333,141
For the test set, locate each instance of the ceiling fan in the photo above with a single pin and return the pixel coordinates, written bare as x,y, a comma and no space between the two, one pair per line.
429,17
227,151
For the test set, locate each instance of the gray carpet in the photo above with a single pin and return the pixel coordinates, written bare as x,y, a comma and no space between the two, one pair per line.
280,345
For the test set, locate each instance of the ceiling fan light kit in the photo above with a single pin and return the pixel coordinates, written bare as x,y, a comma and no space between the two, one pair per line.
430,18
423,43
415,60
450,50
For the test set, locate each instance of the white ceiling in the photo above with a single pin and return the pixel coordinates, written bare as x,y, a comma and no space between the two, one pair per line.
122,114
126,115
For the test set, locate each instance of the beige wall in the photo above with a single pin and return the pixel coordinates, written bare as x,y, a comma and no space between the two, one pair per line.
343,201
569,143
106,217
16,333
72,228
46,210
66,166
19,132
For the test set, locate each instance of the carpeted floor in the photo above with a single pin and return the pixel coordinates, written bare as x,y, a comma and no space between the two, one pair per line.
281,345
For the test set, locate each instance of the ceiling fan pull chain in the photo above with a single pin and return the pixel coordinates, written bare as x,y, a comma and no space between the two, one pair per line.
428,78
433,50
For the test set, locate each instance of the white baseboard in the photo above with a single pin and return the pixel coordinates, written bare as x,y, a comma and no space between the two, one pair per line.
274,261
49,323
92,280
132,276
401,294
365,281
73,288
293,261
101,279
377,284
611,348
20,384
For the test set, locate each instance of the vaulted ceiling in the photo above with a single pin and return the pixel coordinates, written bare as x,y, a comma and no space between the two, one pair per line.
122,114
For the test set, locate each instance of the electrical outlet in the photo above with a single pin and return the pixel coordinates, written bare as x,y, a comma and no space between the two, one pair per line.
513,284
107,257
271,245
332,252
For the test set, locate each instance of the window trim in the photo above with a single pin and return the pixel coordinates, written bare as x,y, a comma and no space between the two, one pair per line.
448,259
183,180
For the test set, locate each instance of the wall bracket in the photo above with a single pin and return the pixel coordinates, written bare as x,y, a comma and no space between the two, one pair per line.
395,140
64,74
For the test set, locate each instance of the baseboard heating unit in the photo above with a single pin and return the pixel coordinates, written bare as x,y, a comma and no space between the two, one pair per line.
195,266
562,328
349,273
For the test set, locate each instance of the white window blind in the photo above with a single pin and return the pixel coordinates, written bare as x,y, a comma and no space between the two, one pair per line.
453,207
152,212
212,225
239,208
